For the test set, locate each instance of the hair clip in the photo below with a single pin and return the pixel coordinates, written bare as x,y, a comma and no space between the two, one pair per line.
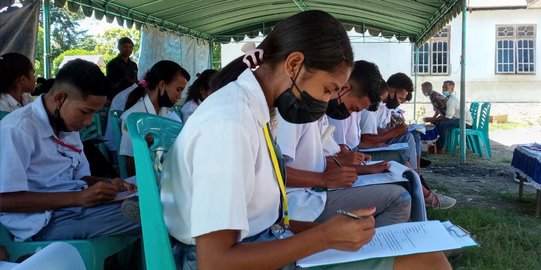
253,57
143,83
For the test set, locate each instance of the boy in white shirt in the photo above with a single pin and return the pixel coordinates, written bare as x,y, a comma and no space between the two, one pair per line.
46,189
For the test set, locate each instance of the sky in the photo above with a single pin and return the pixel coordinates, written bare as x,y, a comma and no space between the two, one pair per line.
95,27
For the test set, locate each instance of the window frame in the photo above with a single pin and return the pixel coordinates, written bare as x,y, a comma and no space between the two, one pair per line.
515,40
431,63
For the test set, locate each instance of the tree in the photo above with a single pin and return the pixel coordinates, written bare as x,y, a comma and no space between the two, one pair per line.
58,59
107,42
217,55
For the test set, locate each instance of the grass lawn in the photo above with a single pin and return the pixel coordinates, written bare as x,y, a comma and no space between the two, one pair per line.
508,240
507,126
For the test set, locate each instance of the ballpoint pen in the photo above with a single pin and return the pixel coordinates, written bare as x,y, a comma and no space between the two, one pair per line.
336,161
348,214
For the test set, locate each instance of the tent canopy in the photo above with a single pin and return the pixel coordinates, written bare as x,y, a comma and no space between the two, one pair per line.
221,20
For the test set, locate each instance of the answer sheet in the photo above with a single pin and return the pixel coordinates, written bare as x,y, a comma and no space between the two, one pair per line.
390,147
393,240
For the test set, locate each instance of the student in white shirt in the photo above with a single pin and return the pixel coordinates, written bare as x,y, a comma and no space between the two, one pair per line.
46,189
197,92
451,119
166,80
219,187
117,104
17,81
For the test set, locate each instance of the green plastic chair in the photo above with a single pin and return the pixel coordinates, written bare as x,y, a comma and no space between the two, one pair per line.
94,132
163,131
478,136
3,114
117,134
93,251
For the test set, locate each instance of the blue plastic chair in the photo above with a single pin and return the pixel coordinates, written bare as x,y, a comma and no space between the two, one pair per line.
162,132
3,114
94,131
117,134
478,136
93,251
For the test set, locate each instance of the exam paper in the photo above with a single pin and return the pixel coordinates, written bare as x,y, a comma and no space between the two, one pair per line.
126,194
390,241
391,147
396,170
417,127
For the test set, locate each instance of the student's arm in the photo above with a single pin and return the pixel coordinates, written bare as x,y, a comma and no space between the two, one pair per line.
372,169
26,201
120,183
380,138
220,248
333,177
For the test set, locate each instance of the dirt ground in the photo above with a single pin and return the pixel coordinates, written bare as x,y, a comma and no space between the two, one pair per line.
481,182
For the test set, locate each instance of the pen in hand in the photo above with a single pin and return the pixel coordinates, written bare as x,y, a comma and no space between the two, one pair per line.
336,161
348,214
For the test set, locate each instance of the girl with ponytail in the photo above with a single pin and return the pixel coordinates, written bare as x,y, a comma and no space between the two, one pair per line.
17,81
156,94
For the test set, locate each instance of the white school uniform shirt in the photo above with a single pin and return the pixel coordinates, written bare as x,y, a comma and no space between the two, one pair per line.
144,105
32,161
117,104
187,109
371,121
218,175
9,104
302,150
453,109
347,131
326,130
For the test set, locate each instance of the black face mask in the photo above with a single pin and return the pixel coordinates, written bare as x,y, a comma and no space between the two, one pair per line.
337,109
305,110
392,103
56,120
164,100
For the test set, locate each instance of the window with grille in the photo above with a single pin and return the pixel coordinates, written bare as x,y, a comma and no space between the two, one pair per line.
515,49
433,56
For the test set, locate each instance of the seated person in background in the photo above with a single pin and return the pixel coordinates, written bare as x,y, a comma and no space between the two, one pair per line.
432,198
118,104
309,174
451,118
17,81
438,100
377,127
46,189
197,92
165,82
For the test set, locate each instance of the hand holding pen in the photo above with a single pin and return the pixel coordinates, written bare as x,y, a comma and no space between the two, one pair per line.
344,232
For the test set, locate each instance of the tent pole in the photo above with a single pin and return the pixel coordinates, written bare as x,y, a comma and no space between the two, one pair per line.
415,68
46,39
463,88
211,55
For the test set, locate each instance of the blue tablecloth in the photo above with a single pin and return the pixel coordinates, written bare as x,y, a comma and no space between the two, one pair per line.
527,162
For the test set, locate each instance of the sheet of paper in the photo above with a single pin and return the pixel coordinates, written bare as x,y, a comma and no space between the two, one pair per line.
418,127
391,147
459,234
394,175
389,241
126,194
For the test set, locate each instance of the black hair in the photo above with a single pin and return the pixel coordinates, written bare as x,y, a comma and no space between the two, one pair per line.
318,35
124,40
13,65
400,81
43,86
429,84
86,77
449,82
200,85
366,81
164,70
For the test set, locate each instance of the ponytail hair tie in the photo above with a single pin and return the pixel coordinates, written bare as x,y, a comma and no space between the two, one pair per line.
253,57
144,84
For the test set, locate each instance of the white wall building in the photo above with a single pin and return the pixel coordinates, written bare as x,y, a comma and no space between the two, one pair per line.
502,54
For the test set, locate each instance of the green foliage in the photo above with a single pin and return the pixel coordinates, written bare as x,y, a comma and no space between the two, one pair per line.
38,64
217,55
106,43
508,240
58,59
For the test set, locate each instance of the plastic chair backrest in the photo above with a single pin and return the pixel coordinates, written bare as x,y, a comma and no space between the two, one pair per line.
163,132
484,117
474,110
92,131
3,114
117,135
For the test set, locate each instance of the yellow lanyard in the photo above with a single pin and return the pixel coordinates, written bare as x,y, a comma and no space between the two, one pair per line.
278,173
